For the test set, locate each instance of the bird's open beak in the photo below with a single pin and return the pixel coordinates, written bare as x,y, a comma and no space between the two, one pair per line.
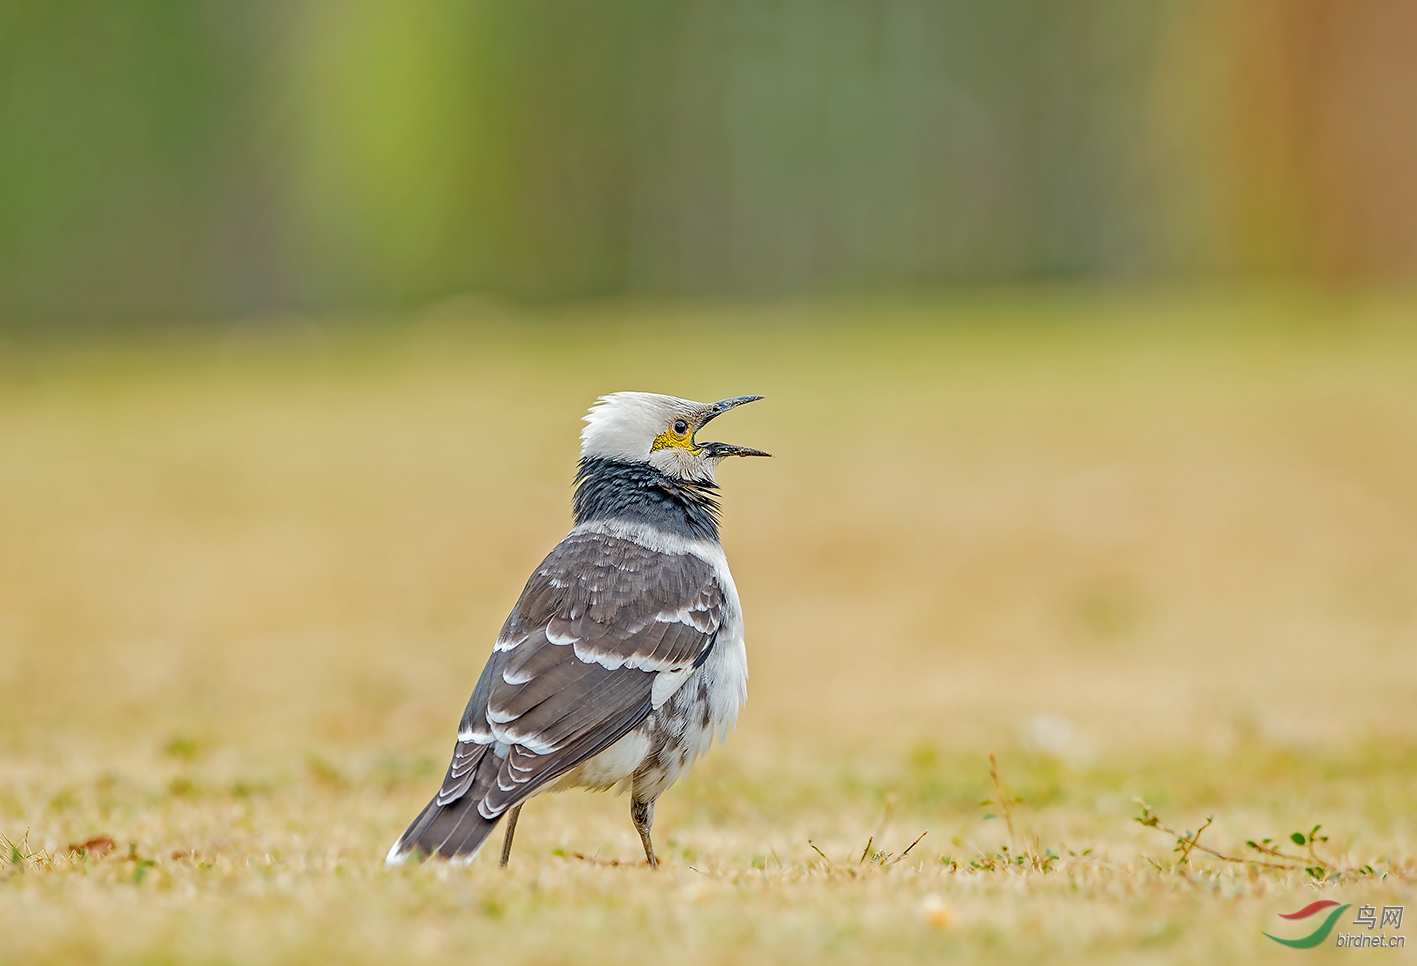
721,450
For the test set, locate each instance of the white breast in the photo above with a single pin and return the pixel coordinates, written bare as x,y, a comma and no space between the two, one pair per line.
727,666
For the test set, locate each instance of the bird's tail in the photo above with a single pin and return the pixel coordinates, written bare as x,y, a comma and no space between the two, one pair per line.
453,831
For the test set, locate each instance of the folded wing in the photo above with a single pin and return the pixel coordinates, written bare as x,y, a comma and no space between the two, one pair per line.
604,632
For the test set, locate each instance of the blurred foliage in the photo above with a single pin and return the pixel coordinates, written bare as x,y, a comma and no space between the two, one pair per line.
212,157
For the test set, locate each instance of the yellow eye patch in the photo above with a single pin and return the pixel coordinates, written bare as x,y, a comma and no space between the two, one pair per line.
675,441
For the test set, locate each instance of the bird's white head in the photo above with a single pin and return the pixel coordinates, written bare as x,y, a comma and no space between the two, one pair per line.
646,427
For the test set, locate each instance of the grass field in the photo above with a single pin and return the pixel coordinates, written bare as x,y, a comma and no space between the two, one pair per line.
1136,546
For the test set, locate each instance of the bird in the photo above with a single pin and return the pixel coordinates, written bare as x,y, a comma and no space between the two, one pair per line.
624,658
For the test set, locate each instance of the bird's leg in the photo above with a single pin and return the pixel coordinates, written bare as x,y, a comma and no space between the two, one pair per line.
643,815
512,817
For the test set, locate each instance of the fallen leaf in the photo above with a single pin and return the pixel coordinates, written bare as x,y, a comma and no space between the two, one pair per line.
98,846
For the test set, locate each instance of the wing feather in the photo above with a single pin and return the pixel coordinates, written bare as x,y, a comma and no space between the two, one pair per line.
573,671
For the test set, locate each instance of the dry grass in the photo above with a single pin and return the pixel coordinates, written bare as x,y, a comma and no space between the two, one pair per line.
1137,547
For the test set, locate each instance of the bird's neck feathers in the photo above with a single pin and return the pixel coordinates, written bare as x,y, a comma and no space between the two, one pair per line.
611,489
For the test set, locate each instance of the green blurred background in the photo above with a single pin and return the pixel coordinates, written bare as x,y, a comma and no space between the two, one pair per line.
209,159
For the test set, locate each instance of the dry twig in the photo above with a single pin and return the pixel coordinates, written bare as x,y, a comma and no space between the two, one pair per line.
909,847
1003,798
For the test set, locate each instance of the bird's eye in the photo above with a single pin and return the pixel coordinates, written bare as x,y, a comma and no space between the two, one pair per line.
680,427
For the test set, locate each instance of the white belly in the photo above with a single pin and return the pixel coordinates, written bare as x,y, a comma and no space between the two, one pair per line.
613,766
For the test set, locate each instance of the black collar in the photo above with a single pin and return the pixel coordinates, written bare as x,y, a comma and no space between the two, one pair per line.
608,489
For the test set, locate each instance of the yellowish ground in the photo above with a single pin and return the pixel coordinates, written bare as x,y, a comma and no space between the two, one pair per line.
1138,546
